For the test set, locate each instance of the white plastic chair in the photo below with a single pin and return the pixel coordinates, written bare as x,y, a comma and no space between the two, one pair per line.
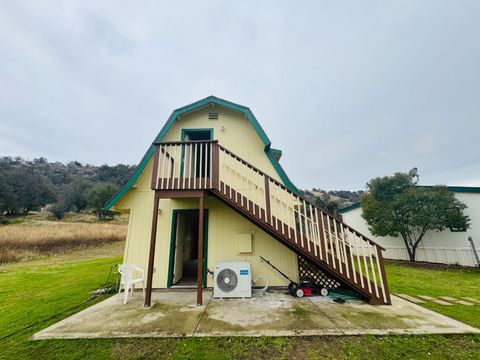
128,281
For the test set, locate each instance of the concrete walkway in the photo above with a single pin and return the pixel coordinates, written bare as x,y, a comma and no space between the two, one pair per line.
442,300
174,314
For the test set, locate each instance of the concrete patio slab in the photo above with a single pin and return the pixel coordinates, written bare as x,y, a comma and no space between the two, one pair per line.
402,317
273,314
174,314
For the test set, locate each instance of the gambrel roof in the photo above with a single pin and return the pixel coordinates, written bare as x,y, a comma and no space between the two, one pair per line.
272,154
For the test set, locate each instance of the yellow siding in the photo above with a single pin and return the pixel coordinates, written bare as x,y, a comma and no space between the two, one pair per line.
224,224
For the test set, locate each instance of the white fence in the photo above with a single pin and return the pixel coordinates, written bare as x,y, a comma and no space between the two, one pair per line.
455,256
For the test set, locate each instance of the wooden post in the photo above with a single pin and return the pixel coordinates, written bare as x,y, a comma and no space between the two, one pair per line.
151,255
156,158
200,250
216,166
383,275
268,211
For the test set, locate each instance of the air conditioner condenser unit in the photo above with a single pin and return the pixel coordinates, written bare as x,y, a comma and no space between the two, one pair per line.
232,279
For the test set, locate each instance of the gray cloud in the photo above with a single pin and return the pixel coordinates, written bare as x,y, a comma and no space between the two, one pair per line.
348,90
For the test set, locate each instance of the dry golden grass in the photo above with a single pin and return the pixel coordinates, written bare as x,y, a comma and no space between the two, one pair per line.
81,217
39,238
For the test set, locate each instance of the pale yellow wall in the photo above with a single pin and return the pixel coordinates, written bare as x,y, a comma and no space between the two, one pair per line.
139,202
239,137
225,224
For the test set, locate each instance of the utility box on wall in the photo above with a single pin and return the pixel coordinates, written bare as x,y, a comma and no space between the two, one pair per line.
244,243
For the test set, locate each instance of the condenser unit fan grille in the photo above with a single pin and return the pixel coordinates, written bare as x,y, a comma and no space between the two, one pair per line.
227,280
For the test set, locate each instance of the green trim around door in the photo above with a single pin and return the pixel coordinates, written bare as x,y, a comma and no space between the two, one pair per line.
171,257
185,131
173,235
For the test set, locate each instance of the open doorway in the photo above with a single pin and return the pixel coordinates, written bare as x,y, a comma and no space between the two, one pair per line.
183,265
196,160
197,134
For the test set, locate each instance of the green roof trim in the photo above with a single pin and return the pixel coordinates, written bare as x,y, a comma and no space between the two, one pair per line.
461,189
217,101
132,180
351,207
458,189
276,153
281,172
194,106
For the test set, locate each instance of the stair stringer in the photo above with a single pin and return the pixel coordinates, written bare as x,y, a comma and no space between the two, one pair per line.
309,255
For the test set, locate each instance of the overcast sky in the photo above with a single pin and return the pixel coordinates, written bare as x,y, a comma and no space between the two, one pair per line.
349,90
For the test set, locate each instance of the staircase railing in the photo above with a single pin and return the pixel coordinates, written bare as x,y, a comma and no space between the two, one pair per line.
207,165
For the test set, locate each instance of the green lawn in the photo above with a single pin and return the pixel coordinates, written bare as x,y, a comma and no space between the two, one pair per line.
38,293
447,281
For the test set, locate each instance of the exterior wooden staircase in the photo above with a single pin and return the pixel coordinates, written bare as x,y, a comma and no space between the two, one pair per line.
324,240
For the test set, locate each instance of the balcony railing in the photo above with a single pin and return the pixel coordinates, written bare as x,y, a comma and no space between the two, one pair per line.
184,165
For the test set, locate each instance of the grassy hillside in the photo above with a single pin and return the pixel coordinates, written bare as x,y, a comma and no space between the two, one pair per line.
334,199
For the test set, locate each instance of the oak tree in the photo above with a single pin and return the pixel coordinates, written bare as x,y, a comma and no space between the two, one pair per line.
396,206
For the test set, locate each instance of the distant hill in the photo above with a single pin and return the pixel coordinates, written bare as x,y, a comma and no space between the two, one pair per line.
60,174
333,200
27,185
